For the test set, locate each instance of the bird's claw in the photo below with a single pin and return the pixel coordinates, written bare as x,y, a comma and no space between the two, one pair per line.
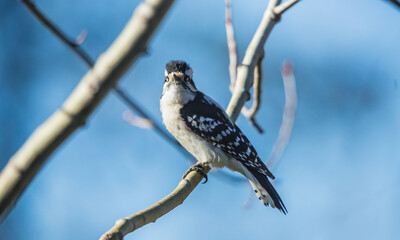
198,167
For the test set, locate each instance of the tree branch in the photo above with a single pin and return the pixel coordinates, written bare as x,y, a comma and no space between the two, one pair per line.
73,45
288,117
280,9
129,224
245,74
133,105
395,2
93,87
232,47
250,113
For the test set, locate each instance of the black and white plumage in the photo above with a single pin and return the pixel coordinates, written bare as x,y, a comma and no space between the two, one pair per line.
207,132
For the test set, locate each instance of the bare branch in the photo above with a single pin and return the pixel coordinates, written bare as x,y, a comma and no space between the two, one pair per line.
129,100
137,121
245,72
93,87
284,6
232,47
129,224
288,117
250,113
81,38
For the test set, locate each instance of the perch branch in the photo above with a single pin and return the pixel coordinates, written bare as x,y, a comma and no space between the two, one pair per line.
129,224
93,87
245,74
288,117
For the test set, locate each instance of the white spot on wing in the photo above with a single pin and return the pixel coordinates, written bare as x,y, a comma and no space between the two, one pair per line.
248,151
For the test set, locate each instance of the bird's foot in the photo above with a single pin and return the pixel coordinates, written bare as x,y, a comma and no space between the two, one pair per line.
198,167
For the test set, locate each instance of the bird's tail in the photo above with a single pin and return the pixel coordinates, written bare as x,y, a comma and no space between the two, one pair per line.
264,189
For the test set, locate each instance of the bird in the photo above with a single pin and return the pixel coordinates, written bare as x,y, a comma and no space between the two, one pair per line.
202,126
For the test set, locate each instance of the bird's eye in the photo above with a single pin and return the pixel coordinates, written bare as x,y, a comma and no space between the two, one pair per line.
166,79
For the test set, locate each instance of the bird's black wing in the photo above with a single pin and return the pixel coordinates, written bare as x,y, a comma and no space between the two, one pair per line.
208,120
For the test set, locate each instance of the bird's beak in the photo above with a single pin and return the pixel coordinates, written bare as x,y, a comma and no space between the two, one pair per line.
176,77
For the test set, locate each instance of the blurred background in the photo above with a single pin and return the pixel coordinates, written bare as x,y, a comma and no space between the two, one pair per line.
339,176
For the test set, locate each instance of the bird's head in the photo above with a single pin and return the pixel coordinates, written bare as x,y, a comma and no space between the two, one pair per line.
179,73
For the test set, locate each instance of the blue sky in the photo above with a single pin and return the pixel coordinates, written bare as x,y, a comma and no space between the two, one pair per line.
339,177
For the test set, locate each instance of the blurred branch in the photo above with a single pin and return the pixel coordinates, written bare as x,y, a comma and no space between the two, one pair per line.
137,121
133,105
250,113
74,45
129,224
245,74
85,57
288,117
93,87
395,2
232,47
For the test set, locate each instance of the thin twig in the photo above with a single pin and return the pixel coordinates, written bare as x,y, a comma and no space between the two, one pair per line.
74,45
129,100
133,105
280,9
288,117
91,90
124,226
136,121
250,113
232,46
